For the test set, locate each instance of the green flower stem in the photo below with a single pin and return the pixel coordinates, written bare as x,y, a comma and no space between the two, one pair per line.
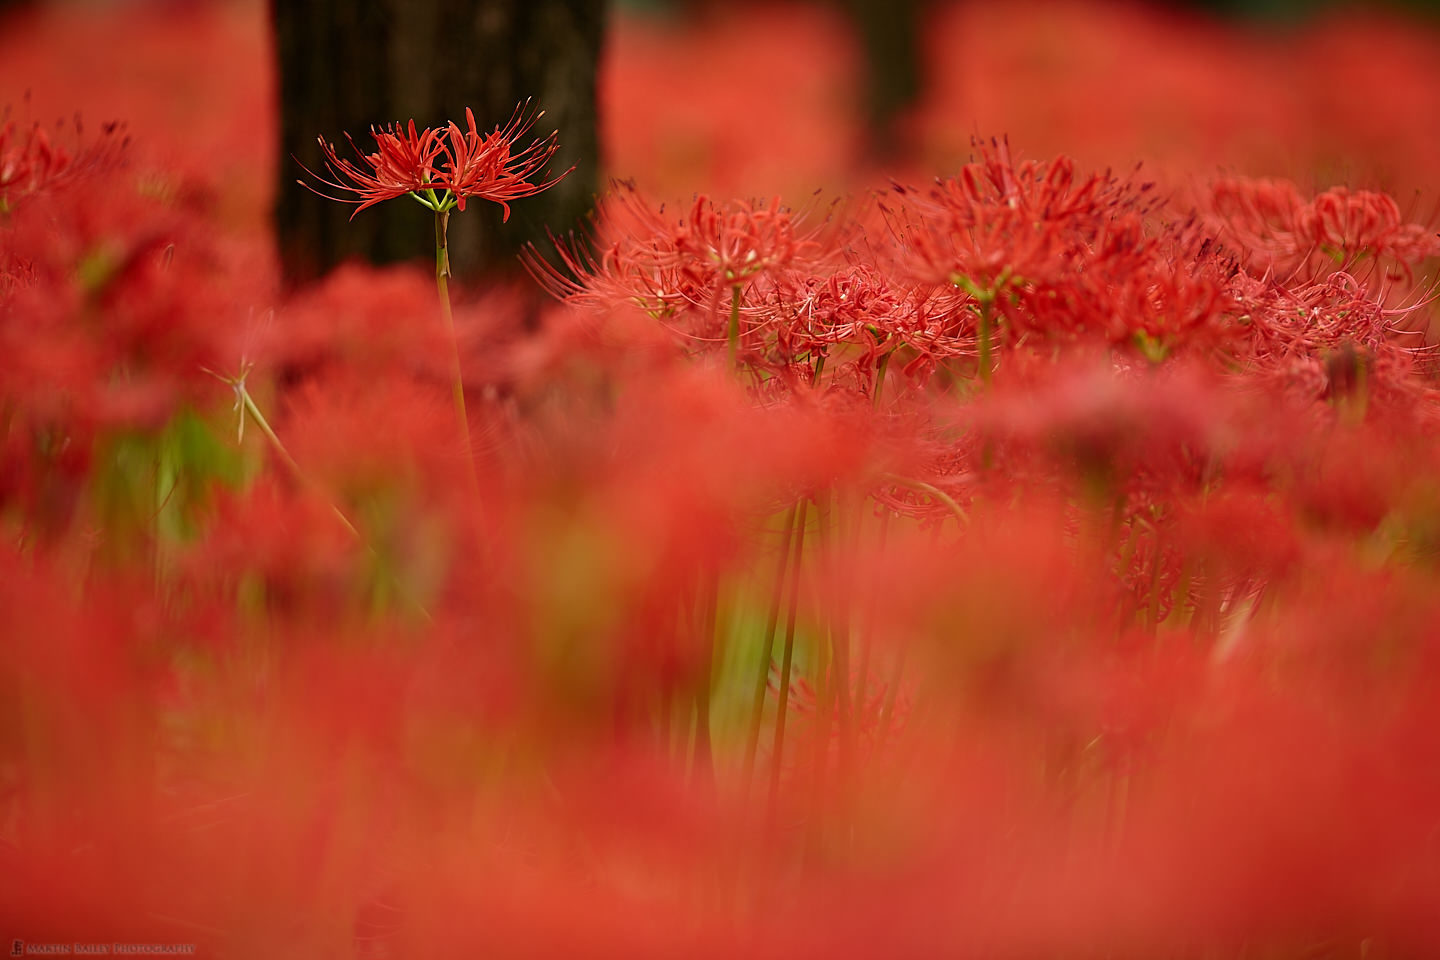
442,274
868,614
828,679
832,542
892,695
985,332
845,638
248,402
985,297
880,369
1153,608
707,621
833,701
289,461
767,651
786,662
168,528
734,335
265,428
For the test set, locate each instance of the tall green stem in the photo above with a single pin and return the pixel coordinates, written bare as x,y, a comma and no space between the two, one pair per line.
767,651
707,623
284,454
880,369
787,660
840,633
442,284
734,335
985,332
834,677
867,622
265,428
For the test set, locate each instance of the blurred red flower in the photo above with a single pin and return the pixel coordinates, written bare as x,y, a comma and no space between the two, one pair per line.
25,167
31,164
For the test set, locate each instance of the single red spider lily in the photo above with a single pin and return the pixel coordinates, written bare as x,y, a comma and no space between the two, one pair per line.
461,164
403,163
489,165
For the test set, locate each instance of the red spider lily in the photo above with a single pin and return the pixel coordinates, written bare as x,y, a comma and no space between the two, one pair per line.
861,312
1002,222
1173,295
730,244
715,247
742,247
1347,224
680,271
1025,241
856,305
490,167
460,164
1271,221
403,163
627,256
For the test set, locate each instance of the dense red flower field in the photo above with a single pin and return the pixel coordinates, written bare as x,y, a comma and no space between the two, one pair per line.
1038,560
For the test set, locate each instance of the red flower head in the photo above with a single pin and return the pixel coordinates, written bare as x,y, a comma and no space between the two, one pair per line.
403,163
459,164
491,167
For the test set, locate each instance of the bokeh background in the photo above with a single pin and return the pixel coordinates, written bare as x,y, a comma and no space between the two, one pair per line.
754,99
297,760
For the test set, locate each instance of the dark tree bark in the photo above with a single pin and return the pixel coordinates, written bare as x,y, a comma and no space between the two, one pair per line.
889,31
346,65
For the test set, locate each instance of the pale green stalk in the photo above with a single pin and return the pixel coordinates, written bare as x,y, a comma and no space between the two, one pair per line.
733,339
984,332
284,454
786,662
457,386
767,651
703,768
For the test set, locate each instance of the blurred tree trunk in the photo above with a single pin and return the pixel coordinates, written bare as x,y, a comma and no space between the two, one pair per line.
889,31
346,65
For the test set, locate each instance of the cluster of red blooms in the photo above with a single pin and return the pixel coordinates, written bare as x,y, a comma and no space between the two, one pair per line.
1029,564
